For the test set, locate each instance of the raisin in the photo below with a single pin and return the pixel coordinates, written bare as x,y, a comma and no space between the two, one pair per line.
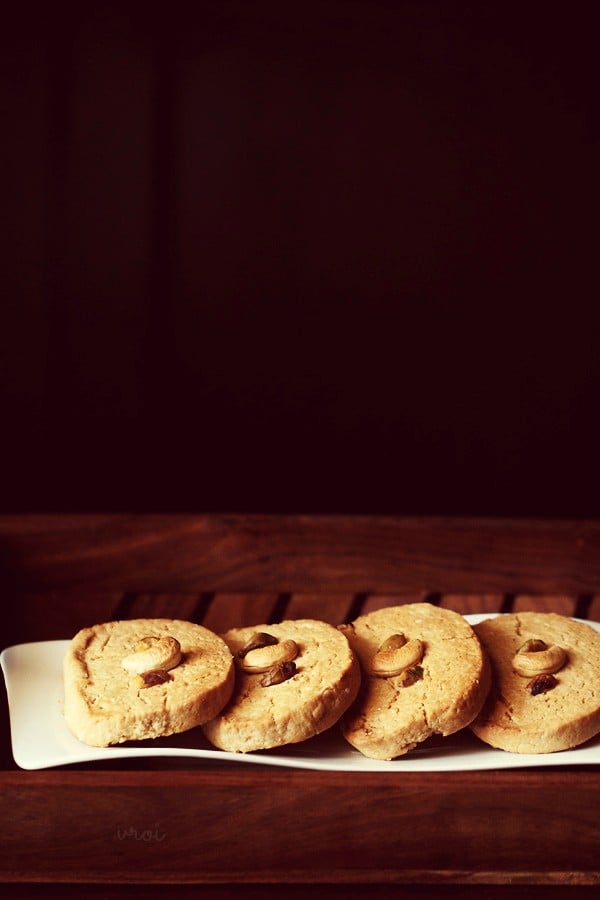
541,683
276,674
155,676
412,675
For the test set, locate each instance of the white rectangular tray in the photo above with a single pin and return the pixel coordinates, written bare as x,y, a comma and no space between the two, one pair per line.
40,738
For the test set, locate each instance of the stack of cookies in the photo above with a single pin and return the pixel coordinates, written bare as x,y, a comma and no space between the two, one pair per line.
526,683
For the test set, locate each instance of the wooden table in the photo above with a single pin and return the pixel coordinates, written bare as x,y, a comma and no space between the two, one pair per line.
206,826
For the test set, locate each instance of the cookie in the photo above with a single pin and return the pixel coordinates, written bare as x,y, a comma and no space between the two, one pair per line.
434,681
546,697
296,682
144,678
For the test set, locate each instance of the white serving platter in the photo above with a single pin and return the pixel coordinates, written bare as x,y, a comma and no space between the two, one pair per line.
40,738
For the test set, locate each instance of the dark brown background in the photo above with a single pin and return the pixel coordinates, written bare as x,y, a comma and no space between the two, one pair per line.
336,256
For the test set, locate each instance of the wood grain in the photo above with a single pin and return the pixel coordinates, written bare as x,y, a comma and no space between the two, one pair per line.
412,891
57,614
474,827
183,553
236,610
158,605
375,601
332,608
564,606
469,604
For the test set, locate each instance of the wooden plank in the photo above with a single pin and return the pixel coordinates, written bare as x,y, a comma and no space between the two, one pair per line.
332,608
427,828
298,892
150,606
563,605
56,615
594,609
377,601
300,553
470,604
238,610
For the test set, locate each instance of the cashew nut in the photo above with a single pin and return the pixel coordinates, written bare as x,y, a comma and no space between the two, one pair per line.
262,659
387,663
152,653
258,639
394,642
536,658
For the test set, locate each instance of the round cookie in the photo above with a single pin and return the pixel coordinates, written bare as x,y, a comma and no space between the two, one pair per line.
109,698
440,693
321,679
560,711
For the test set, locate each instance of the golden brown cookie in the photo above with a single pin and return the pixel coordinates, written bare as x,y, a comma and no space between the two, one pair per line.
423,672
546,683
293,681
144,678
